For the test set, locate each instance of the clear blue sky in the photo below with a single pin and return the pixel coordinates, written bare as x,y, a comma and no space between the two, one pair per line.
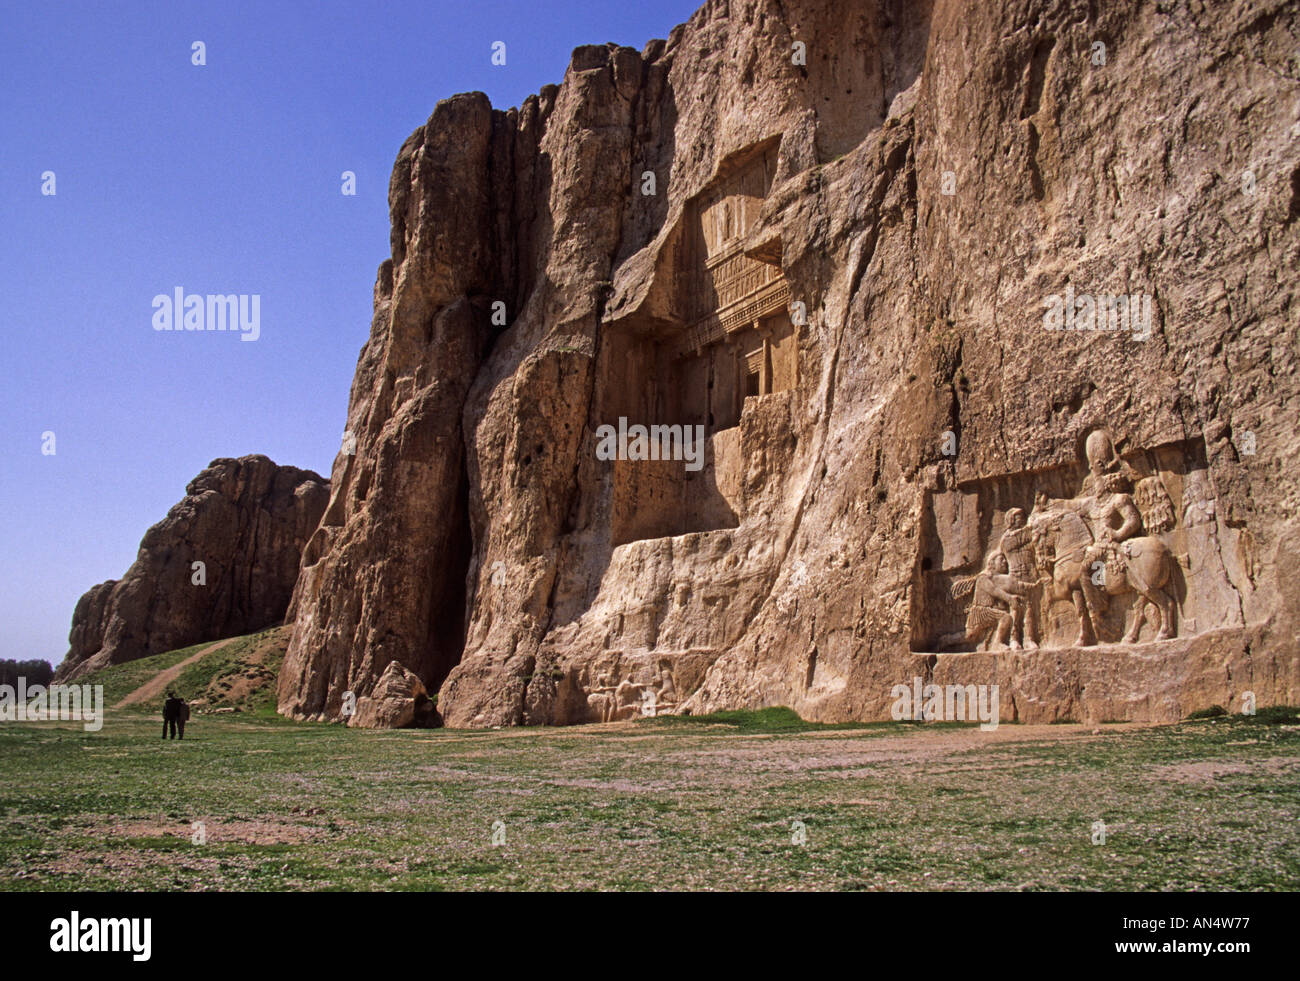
220,179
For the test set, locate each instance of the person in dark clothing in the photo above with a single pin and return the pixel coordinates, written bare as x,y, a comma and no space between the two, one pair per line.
182,716
171,715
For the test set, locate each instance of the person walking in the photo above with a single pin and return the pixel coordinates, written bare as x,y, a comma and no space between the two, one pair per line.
171,715
182,717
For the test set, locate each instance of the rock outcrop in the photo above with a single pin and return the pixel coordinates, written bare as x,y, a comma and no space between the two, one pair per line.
246,521
399,700
867,248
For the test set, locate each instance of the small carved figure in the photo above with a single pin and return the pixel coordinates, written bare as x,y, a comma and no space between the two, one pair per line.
1199,508
600,699
1019,544
989,619
667,697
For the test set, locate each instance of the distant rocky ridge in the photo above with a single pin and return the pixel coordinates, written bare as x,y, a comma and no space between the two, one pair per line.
828,232
247,521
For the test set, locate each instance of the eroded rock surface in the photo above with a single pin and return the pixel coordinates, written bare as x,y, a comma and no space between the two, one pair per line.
398,701
246,520
845,273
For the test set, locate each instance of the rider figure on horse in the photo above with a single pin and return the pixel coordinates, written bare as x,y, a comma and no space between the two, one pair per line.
1107,552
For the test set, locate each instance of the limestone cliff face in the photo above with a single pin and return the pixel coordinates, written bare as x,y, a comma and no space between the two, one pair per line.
246,520
832,235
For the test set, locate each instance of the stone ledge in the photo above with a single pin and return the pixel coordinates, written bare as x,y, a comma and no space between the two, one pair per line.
1160,681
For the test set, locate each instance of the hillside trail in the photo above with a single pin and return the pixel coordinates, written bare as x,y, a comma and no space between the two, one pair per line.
159,682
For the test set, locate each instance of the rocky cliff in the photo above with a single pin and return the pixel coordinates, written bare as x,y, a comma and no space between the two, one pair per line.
222,563
984,315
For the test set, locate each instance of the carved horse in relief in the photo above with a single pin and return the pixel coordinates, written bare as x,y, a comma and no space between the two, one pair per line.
1142,565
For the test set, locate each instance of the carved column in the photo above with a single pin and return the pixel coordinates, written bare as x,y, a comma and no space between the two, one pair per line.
765,364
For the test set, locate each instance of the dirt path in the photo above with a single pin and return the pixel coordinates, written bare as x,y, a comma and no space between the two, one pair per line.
159,682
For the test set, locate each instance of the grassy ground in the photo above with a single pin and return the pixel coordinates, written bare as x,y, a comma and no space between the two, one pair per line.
655,804
122,679
239,675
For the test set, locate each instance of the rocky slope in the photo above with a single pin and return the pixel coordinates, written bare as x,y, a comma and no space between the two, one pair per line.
913,183
246,521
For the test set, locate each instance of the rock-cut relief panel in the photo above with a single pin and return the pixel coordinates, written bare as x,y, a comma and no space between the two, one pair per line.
1119,549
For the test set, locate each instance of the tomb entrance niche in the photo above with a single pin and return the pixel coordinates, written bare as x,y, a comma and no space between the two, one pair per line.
729,337
734,310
